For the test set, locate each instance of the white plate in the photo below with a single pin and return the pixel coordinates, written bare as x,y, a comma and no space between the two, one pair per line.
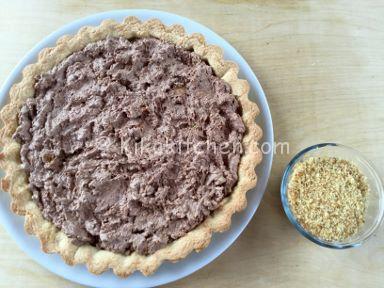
168,272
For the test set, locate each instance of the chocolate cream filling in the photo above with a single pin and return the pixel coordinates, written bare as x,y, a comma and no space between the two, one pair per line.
130,144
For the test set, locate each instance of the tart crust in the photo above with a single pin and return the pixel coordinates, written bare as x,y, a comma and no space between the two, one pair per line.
97,261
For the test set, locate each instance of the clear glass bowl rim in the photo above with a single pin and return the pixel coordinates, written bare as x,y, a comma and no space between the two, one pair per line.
292,218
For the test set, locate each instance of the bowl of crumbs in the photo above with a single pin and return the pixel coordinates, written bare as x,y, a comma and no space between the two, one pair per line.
333,195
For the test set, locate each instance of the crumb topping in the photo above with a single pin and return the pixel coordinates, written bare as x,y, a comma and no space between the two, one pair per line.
328,197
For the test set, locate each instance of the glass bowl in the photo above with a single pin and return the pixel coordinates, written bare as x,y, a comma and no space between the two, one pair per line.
375,201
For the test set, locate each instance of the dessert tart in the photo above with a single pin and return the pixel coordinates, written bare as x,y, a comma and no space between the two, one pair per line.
128,144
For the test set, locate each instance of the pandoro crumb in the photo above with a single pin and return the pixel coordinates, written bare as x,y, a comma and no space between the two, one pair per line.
328,196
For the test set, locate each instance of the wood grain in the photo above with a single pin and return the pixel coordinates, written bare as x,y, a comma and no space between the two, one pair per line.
321,64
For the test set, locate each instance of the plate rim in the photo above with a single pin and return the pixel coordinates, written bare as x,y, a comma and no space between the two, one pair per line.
245,69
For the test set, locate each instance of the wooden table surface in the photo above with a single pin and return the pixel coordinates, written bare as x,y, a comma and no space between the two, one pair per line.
321,64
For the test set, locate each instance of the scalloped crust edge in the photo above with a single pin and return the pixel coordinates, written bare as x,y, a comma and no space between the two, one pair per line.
97,261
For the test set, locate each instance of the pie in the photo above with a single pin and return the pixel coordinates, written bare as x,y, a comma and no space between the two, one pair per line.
128,144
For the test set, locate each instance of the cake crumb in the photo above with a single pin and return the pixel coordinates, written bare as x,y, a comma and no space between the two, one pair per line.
328,197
